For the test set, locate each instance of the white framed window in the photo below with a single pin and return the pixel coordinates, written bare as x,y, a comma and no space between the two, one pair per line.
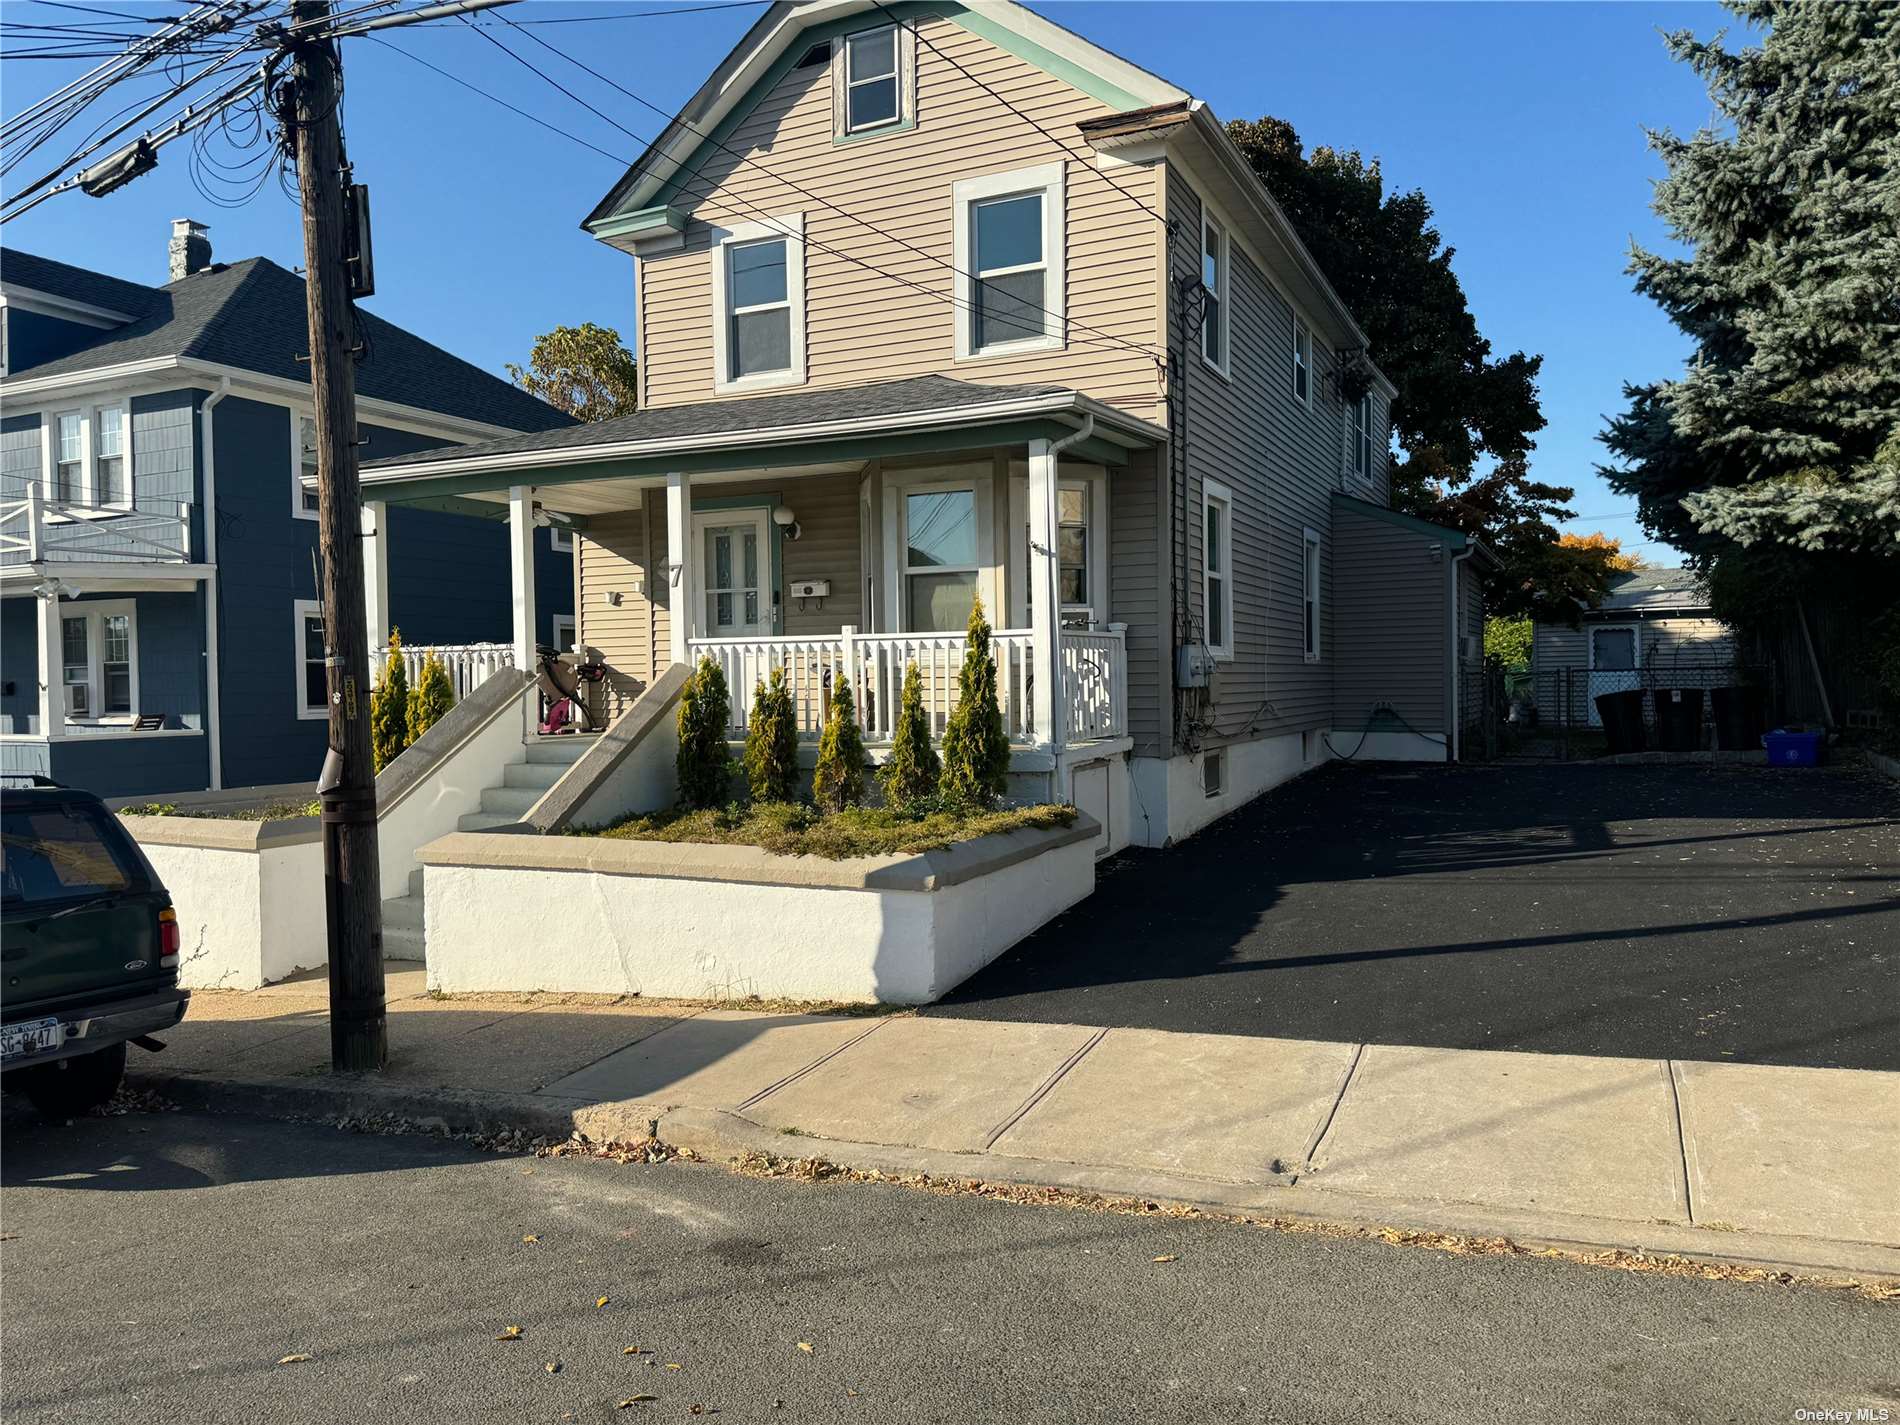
91,458
1081,546
303,465
560,539
312,659
1214,265
1310,583
1009,262
759,305
1217,568
111,459
1302,364
871,90
69,458
564,633
1359,438
1615,648
99,666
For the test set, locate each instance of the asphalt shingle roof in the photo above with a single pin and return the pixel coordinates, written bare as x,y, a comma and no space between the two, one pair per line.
75,284
251,315
1655,588
910,396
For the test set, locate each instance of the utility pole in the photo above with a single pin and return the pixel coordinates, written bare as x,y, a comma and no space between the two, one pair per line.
347,789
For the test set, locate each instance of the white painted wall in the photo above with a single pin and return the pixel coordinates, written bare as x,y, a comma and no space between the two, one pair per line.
452,789
1169,789
588,932
245,918
1103,788
1386,747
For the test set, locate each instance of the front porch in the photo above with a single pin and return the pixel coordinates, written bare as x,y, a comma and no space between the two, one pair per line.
851,552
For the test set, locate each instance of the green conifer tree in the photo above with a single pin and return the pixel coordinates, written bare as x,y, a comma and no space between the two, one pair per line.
839,779
389,707
771,741
911,773
975,743
431,698
703,763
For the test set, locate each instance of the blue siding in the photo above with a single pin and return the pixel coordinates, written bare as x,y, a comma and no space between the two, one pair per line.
33,337
19,665
133,766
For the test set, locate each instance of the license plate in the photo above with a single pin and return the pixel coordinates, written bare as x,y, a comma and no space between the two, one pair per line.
31,1036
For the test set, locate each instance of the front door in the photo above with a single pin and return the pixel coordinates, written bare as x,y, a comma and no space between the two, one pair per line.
1616,655
732,577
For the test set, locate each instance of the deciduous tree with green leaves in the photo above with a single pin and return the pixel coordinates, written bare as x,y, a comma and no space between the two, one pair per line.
703,762
909,776
771,741
585,370
975,742
389,707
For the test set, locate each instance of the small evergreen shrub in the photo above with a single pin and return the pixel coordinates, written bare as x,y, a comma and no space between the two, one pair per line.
389,707
975,744
771,742
704,765
839,780
431,698
910,777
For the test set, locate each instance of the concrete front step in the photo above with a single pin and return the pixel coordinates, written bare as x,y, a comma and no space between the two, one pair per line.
402,942
517,801
402,910
539,775
562,750
485,820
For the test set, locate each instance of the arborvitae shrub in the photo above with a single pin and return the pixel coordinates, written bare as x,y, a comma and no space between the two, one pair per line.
431,698
839,780
771,742
704,765
975,744
910,776
389,707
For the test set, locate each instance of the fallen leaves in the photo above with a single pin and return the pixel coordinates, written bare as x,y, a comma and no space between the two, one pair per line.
635,1351
805,1346
509,1333
674,1366
633,1400
1167,1257
600,1302
553,1368
531,1238
292,1359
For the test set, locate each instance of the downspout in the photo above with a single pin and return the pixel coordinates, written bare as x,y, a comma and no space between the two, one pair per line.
1451,623
214,745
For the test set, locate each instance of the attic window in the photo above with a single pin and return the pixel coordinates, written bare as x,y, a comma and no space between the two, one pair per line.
873,82
818,54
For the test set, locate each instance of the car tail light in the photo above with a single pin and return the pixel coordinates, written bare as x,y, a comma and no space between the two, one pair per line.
168,939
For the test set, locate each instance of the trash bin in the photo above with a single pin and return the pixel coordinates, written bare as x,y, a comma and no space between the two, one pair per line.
1741,716
1792,749
1622,718
1678,718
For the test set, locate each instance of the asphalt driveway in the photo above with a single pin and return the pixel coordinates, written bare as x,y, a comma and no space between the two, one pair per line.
1680,912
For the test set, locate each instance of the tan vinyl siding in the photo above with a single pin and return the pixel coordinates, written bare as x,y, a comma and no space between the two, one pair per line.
1283,462
1387,593
612,556
864,325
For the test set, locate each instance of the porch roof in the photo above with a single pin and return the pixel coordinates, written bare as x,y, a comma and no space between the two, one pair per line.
798,429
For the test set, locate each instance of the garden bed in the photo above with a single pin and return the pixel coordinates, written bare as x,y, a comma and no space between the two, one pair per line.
269,811
798,829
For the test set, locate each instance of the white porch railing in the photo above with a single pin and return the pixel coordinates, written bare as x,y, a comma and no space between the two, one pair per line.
34,529
469,664
1094,667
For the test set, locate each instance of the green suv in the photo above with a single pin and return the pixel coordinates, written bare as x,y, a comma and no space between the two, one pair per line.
88,949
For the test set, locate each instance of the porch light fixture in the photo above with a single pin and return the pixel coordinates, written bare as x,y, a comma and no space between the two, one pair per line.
787,522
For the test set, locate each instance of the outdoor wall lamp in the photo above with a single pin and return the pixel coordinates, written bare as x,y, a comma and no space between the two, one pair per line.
786,521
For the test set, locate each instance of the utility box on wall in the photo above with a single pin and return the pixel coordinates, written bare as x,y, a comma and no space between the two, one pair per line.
809,589
1193,665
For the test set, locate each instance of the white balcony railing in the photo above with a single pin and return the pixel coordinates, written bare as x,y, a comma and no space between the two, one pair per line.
35,529
1094,669
469,664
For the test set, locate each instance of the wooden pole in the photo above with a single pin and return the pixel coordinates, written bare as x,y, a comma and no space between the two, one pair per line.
352,894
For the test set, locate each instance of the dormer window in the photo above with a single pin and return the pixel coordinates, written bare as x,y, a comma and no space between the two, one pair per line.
870,79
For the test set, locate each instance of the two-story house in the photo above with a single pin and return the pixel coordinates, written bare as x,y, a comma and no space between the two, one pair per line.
160,629
938,302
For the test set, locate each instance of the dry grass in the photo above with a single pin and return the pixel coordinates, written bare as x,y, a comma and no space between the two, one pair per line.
795,829
271,811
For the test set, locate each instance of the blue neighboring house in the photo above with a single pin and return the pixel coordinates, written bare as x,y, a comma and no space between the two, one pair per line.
159,624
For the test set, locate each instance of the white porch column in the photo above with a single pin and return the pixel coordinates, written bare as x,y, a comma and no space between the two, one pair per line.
1044,622
376,582
52,690
679,574
521,571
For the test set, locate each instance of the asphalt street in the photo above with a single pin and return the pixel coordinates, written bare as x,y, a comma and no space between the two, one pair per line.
1744,914
158,1267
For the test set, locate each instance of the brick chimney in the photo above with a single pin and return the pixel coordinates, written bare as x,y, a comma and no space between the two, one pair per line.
189,249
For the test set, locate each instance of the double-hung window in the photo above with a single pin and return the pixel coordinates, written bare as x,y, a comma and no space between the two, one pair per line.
92,459
1217,565
759,302
870,80
69,459
1009,262
312,666
1359,437
1310,605
111,465
303,466
1214,266
1302,364
942,556
99,661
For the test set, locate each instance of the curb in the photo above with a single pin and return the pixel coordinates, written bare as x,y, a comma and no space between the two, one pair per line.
721,1136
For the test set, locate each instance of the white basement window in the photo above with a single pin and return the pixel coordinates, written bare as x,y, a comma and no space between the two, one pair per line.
312,670
1009,257
1217,578
1310,612
759,305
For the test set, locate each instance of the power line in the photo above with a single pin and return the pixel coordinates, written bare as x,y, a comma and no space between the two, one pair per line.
110,14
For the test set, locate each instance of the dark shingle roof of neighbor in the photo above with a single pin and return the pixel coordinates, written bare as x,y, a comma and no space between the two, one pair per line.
75,284
1655,588
912,395
251,315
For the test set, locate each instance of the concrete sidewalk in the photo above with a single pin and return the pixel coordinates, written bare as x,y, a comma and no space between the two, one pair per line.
1788,1167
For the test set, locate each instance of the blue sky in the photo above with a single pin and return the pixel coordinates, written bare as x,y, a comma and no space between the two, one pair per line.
1522,122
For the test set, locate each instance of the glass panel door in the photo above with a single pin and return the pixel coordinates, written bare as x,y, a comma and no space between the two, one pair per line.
734,576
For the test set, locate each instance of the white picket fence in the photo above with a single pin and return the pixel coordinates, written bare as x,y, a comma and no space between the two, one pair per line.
469,664
1094,671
